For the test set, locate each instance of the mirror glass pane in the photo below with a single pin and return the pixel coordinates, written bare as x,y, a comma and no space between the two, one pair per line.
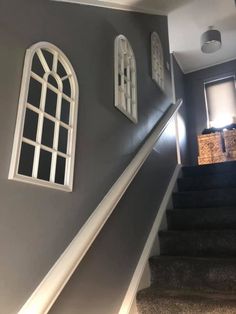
37,66
31,124
44,165
60,170
62,143
34,94
48,132
65,111
26,159
51,102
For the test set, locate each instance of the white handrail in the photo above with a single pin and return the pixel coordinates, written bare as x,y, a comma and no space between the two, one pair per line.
51,286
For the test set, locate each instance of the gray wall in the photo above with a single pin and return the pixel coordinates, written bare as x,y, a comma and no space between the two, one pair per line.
37,224
197,117
179,85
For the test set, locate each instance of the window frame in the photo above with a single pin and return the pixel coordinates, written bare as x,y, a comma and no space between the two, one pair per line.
20,120
215,80
131,113
157,59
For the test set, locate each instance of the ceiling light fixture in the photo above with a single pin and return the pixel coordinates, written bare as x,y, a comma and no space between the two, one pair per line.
211,40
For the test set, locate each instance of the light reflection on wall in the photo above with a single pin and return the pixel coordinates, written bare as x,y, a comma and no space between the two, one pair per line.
168,135
181,129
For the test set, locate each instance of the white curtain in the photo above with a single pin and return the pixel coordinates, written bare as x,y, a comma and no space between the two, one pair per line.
221,102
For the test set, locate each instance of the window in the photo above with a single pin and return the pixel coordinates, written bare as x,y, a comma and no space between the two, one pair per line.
157,60
45,135
221,102
125,78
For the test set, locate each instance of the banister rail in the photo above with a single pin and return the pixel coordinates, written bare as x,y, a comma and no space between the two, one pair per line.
51,286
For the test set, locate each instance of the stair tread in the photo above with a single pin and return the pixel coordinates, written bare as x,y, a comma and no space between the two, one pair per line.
157,258
220,208
152,301
223,231
198,242
205,198
199,273
187,293
228,189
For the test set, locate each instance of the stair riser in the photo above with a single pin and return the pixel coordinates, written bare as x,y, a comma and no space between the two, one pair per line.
229,167
205,183
198,243
200,199
210,275
201,219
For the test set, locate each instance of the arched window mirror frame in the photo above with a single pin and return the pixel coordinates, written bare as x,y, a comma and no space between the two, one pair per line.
158,73
61,156
125,78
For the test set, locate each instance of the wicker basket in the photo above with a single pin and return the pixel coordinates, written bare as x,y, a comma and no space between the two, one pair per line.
212,159
210,145
230,140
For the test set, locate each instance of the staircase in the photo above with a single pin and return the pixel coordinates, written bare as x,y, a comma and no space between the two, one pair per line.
196,269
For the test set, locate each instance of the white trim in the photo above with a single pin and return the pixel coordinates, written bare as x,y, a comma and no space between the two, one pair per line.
206,107
172,77
23,105
115,6
176,116
51,286
134,283
177,139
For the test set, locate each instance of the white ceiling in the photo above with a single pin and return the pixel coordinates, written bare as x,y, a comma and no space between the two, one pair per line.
188,22
187,19
147,6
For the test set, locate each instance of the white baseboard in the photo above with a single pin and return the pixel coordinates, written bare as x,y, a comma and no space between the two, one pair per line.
134,284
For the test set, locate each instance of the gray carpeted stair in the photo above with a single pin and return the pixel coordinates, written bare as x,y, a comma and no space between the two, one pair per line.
205,274
196,269
212,181
153,301
198,242
226,168
207,198
202,218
